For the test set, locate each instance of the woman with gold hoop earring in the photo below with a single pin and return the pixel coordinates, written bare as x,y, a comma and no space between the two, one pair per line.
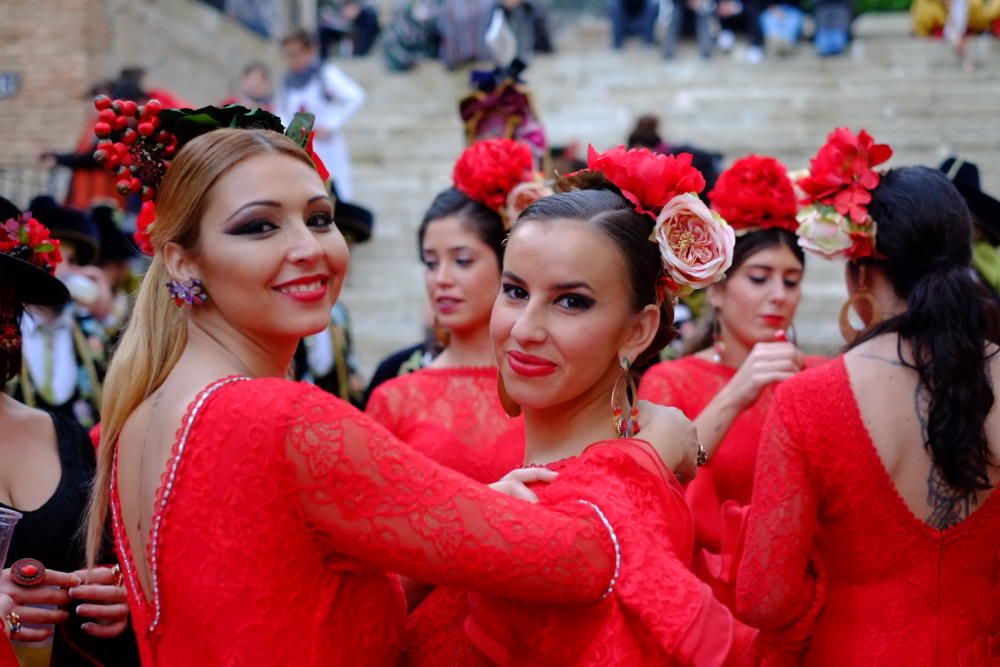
726,385
875,514
449,410
590,278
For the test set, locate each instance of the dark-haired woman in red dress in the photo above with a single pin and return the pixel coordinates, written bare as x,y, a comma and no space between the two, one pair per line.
586,295
449,411
727,387
874,532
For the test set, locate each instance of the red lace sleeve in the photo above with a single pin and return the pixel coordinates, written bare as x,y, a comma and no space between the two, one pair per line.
380,410
777,584
381,502
656,386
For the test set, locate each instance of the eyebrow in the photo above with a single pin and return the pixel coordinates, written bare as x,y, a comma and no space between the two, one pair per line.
271,204
579,284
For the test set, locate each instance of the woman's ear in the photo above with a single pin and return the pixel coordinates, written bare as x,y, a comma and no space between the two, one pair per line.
180,263
642,330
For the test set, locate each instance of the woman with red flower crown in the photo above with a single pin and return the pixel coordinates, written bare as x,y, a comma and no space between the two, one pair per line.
255,517
450,411
874,532
589,281
728,385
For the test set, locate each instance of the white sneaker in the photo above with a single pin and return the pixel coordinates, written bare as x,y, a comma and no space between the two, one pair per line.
754,55
725,40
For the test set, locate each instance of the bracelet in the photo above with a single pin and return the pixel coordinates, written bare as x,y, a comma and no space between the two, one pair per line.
614,541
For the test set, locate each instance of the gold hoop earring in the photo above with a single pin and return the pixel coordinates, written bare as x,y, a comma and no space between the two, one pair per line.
509,406
625,390
867,309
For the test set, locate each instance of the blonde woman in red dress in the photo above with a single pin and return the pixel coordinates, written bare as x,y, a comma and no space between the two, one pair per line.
728,386
588,281
874,532
256,518
449,410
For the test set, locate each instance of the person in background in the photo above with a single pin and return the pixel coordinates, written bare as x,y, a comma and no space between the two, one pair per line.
255,89
781,24
833,20
325,91
117,252
346,24
985,210
679,10
632,17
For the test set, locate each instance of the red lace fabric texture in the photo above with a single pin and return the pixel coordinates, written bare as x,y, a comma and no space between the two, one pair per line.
719,495
289,507
658,614
834,558
452,415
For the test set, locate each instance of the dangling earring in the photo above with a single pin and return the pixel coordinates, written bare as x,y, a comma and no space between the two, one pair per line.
187,294
718,347
625,390
509,406
867,309
441,335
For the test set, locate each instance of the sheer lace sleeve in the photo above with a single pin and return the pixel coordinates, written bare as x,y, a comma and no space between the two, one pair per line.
380,409
777,582
382,503
657,386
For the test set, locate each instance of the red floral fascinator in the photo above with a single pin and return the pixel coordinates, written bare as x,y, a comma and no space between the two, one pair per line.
756,193
696,244
500,174
835,222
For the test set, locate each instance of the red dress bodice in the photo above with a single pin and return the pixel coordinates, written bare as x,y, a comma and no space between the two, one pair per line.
833,551
280,512
454,416
658,613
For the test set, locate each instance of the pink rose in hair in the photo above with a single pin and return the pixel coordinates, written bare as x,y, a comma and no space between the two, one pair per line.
695,242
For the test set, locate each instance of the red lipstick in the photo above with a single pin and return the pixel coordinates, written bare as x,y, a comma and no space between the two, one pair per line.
528,365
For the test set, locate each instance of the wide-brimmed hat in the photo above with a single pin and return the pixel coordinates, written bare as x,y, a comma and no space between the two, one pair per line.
965,177
354,222
34,285
68,224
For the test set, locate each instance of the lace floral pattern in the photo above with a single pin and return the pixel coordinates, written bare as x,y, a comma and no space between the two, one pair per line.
452,415
836,562
289,506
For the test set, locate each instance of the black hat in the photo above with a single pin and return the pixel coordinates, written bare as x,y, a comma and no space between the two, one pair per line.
68,224
34,285
354,222
965,177
116,246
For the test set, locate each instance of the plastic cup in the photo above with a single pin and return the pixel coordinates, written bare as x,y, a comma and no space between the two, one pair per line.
8,519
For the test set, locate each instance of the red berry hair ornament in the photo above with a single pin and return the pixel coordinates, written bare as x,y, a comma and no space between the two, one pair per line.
834,222
756,193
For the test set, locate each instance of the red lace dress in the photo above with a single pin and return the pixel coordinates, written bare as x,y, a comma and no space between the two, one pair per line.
658,613
720,493
280,512
835,561
454,416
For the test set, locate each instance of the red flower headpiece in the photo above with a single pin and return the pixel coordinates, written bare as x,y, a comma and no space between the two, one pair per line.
835,221
490,170
29,240
696,244
756,193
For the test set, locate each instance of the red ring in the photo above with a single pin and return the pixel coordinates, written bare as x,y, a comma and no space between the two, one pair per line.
27,572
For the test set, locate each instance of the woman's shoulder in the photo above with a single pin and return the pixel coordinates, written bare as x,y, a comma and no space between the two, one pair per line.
820,388
272,396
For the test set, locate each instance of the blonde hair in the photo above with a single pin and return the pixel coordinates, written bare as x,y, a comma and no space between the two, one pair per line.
157,330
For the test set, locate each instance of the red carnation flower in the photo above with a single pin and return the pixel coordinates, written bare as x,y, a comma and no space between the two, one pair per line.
649,180
489,170
755,192
842,175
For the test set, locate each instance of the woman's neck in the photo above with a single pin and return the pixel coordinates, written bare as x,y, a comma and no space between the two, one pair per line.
470,348
227,351
566,430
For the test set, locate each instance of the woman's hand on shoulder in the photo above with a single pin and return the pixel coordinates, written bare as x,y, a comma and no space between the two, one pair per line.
515,483
673,436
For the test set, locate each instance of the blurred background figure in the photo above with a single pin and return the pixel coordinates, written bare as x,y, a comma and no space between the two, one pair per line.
256,88
324,90
346,28
985,210
632,18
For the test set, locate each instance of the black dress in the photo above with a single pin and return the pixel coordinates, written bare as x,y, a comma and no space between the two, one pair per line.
51,534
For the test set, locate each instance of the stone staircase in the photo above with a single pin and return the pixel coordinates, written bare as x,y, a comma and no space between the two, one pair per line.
910,93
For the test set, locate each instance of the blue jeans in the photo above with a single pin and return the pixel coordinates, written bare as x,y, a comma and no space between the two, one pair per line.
782,22
625,24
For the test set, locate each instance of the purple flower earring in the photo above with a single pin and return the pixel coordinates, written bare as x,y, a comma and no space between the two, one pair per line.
190,294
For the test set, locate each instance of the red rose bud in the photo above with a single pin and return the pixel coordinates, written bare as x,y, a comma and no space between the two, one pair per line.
107,116
121,122
129,137
146,128
102,102
129,108
102,129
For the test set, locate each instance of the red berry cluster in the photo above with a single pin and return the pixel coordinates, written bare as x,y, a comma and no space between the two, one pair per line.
142,151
